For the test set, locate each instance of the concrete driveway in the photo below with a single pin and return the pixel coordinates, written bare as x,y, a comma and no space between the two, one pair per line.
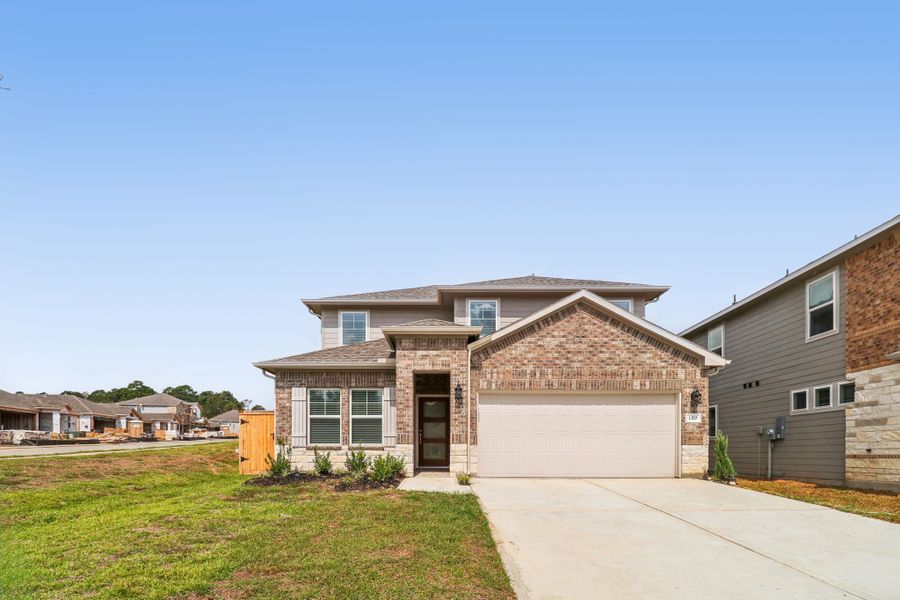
683,538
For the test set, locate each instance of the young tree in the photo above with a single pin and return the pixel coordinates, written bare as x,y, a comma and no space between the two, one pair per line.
724,470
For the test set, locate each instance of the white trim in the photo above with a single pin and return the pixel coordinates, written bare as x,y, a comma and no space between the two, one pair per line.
801,272
835,312
830,388
496,301
630,302
709,359
794,411
711,406
841,384
310,416
369,417
721,345
341,326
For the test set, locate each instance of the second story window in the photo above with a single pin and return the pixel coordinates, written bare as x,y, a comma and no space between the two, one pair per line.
715,340
483,313
354,327
623,303
821,316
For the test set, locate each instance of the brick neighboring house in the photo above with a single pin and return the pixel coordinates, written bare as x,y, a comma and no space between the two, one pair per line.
821,348
565,377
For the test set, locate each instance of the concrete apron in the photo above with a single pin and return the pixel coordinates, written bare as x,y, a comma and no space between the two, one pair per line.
434,481
670,538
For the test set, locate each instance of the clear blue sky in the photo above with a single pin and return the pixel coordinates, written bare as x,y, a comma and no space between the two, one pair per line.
174,177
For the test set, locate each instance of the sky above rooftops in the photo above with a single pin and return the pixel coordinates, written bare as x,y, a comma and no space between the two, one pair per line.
175,177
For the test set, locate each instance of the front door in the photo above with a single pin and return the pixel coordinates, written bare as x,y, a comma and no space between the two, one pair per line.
434,431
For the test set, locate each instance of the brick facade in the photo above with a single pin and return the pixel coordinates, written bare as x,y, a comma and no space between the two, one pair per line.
872,306
583,349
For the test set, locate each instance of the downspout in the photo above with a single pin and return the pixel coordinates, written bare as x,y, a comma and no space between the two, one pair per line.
469,410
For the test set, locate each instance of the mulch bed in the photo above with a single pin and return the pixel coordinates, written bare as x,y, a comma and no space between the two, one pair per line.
336,480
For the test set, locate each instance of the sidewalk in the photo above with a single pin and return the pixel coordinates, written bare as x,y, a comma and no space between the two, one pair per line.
27,451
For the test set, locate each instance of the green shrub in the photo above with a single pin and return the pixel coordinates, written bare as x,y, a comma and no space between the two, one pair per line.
321,462
357,461
724,470
280,466
353,477
388,468
463,478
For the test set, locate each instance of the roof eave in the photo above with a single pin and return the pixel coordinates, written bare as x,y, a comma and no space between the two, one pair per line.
387,363
819,262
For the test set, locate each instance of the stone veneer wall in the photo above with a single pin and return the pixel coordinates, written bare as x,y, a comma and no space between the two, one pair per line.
583,349
873,429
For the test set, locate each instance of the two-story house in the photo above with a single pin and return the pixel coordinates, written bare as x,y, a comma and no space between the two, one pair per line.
528,376
162,412
819,348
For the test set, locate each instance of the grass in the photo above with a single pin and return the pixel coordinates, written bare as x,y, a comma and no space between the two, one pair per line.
878,505
179,524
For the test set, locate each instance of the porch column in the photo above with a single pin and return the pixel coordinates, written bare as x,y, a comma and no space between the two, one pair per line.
57,422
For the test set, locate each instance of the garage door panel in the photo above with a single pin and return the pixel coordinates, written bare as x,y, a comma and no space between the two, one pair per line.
576,435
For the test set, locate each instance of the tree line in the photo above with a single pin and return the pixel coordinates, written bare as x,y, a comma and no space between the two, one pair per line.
211,403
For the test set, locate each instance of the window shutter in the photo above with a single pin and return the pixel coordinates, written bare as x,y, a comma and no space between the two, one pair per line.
298,417
389,412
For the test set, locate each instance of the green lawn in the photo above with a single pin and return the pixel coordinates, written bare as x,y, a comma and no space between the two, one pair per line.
179,524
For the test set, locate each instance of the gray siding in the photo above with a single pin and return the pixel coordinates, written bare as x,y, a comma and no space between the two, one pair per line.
767,343
380,316
515,307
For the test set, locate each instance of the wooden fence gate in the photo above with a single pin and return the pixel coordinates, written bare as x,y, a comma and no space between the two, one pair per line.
256,441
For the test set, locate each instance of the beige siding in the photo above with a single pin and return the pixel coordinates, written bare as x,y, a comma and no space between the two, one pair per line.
380,316
513,308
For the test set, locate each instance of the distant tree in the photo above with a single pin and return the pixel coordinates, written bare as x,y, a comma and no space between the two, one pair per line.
182,392
135,389
216,403
76,394
258,407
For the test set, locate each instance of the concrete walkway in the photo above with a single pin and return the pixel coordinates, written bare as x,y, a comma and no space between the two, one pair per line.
434,481
671,538
26,451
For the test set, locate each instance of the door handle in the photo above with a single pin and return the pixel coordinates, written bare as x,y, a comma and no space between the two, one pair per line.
420,437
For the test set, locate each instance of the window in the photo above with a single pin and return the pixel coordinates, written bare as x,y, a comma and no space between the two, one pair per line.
846,392
713,420
325,417
365,417
354,327
623,303
483,313
822,396
799,400
715,340
820,306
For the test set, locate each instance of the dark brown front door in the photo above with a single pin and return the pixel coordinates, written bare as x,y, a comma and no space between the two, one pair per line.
434,431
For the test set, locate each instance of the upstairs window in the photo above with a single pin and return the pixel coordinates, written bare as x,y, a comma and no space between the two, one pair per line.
354,327
483,313
715,340
799,400
325,417
821,316
623,303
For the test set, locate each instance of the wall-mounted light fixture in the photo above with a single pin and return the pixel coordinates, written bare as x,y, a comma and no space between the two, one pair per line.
696,397
457,393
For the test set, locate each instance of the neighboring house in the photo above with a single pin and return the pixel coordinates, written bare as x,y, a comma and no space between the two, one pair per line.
59,413
162,412
229,423
820,348
565,377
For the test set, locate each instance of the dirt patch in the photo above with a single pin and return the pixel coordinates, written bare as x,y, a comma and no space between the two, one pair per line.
879,505
363,485
338,482
290,478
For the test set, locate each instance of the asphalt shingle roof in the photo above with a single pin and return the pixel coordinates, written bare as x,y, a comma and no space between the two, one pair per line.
230,416
73,403
152,400
371,352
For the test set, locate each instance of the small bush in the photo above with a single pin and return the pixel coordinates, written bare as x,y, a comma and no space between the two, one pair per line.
280,466
357,461
353,478
388,468
463,478
322,462
724,470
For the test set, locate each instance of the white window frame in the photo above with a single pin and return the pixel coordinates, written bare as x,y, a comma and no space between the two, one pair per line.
341,325
379,417
715,406
310,416
799,411
469,302
834,302
630,302
830,389
841,384
722,336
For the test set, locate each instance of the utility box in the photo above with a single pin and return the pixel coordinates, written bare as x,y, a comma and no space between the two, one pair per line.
777,433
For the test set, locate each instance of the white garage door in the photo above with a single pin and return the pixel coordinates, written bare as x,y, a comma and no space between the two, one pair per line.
576,435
